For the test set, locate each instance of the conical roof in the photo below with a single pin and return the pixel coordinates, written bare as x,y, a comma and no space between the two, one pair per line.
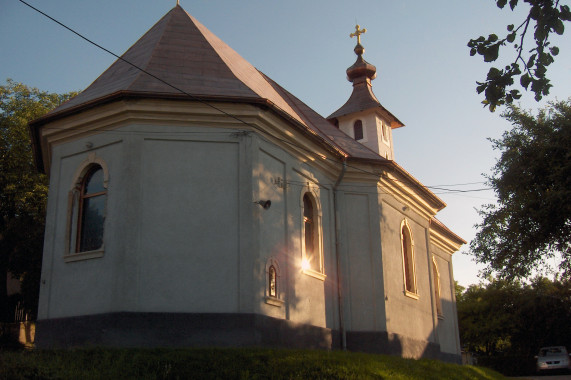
182,52
185,58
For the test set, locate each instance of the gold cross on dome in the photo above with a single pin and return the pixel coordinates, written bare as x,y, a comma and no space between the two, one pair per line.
358,33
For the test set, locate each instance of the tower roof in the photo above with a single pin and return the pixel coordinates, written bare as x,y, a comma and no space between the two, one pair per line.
184,58
361,73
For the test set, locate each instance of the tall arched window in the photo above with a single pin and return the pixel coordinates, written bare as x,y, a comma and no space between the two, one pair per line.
91,216
312,259
408,258
436,276
358,130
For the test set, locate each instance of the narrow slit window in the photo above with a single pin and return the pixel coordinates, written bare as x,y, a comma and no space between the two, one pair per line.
437,297
308,221
272,282
408,259
358,130
385,129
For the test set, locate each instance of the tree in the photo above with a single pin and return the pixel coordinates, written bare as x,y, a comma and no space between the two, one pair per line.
22,192
546,17
543,315
531,221
485,317
505,323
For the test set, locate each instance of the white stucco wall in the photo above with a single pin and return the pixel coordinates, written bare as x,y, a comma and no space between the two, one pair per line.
179,228
448,323
272,231
82,287
283,179
183,233
408,316
372,131
362,258
189,226
172,229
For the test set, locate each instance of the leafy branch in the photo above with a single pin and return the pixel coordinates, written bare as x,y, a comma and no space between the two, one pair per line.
530,66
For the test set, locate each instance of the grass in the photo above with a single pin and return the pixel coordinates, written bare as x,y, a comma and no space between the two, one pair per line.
101,363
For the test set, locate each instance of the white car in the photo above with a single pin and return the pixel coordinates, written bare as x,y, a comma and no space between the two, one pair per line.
552,358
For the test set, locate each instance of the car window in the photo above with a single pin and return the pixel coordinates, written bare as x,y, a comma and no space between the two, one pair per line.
550,351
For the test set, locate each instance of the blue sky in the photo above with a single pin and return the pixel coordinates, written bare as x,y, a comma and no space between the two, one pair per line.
425,75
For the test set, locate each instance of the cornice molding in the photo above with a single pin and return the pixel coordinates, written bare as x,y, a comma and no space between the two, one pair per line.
443,238
299,141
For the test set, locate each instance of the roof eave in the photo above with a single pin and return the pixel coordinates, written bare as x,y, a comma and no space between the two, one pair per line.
437,224
35,125
438,203
395,122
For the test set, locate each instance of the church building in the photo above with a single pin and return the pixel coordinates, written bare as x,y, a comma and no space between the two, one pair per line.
193,201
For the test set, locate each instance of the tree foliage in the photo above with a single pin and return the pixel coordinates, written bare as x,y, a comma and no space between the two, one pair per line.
22,191
530,66
531,221
514,319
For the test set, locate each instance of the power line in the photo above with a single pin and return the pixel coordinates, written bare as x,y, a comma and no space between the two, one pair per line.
136,67
410,184
460,184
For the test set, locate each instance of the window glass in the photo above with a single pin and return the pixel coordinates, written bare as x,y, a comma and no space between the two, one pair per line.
436,275
358,130
408,260
311,238
92,211
273,291
94,183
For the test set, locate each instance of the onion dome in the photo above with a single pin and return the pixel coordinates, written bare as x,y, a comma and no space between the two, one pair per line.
361,73
361,68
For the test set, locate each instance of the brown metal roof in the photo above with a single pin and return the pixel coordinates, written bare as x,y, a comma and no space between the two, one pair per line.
176,50
185,54
361,73
324,128
362,98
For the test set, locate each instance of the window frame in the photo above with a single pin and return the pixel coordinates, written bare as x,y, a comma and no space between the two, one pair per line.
362,129
75,204
272,282
408,260
437,288
83,197
277,299
317,236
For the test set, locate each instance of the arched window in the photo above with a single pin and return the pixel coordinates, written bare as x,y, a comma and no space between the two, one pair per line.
273,289
436,276
408,258
91,215
358,130
272,282
311,259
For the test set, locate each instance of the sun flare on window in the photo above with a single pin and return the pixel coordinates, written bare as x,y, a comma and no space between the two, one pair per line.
305,265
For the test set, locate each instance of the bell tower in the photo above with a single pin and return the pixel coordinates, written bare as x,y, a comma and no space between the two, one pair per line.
362,116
